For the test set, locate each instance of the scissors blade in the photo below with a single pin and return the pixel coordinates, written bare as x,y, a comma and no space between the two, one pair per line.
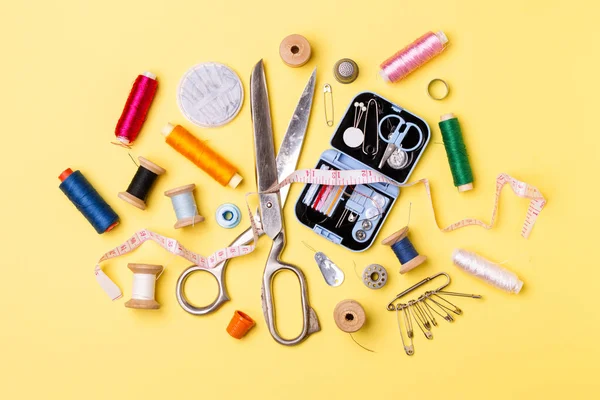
289,151
264,151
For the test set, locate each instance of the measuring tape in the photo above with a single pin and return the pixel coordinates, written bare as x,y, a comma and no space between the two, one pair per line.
172,246
321,177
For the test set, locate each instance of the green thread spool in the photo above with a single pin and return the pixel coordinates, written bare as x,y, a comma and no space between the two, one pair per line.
456,152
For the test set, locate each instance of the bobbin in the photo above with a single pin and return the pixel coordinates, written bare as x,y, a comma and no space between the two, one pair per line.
374,276
144,269
397,237
228,215
349,316
188,220
467,186
295,50
130,198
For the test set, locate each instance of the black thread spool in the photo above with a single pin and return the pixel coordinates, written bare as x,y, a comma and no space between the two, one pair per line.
404,250
142,182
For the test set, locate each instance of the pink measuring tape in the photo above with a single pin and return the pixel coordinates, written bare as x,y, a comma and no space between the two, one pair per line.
321,177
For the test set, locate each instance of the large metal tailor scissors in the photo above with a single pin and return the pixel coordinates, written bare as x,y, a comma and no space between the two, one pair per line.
270,209
285,164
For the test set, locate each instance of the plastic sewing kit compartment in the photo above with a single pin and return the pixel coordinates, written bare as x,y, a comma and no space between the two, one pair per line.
353,215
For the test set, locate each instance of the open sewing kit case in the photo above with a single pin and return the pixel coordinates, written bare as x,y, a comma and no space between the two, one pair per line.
352,215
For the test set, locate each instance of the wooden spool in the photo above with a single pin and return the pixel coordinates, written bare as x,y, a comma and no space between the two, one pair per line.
131,199
184,221
349,316
295,50
395,238
149,269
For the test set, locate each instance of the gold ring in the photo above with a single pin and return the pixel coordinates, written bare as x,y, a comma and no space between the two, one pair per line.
431,84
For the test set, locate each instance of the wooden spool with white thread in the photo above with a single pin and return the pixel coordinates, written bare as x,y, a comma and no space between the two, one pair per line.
144,285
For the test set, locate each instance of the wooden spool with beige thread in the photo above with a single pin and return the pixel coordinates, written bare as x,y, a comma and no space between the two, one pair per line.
405,251
144,285
349,316
142,182
184,205
295,50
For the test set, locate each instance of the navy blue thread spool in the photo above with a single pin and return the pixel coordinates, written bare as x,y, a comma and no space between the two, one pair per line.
88,201
404,250
141,183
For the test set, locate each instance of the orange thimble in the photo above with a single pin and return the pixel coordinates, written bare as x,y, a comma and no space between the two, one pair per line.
240,324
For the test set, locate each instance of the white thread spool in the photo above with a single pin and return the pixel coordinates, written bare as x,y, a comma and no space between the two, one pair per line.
487,271
184,205
144,285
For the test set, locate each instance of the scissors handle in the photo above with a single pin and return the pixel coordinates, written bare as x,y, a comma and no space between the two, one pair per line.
397,135
218,272
275,265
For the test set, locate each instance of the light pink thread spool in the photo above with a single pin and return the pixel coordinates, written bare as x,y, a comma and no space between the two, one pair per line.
413,56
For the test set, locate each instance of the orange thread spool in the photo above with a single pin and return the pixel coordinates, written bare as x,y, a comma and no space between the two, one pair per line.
203,156
240,324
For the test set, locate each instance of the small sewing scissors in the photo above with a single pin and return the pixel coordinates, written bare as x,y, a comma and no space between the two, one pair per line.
397,136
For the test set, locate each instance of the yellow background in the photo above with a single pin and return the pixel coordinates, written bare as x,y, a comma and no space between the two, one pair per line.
524,81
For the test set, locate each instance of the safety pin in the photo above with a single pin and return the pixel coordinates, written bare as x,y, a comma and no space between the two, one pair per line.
427,311
391,306
415,314
424,315
447,316
327,89
410,350
473,296
456,310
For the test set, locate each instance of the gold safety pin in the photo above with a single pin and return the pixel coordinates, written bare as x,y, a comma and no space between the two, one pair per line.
328,117
391,306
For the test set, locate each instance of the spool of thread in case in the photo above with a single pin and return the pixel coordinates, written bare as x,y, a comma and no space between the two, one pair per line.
487,271
404,250
295,50
88,201
240,324
456,152
200,154
184,204
413,56
136,108
349,316
142,182
144,286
